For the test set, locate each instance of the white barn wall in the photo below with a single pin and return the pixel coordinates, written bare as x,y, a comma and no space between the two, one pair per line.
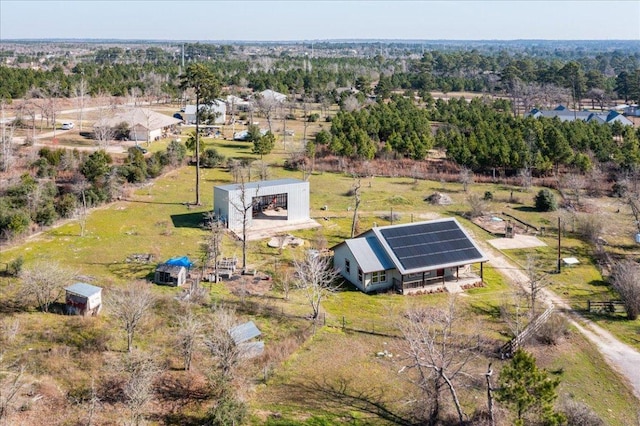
225,196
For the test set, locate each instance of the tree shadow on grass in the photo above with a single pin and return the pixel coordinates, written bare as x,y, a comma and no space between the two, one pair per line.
188,220
132,270
525,209
341,399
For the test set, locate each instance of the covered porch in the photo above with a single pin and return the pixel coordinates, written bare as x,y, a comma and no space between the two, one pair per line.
463,277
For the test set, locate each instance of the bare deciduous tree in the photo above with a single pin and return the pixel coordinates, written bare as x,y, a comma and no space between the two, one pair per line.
11,381
141,371
43,282
466,178
223,349
537,280
315,276
356,202
244,205
626,281
268,107
212,245
514,312
129,306
190,328
435,346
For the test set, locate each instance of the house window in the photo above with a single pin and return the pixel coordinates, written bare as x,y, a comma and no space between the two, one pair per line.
359,275
378,277
347,266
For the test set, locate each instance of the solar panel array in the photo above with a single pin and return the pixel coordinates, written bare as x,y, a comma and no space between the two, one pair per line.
427,245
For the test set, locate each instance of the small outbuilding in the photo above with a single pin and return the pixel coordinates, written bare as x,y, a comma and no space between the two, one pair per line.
243,335
173,272
83,299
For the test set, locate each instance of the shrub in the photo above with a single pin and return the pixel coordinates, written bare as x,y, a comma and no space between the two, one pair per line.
553,330
580,414
313,117
488,196
626,281
15,266
545,201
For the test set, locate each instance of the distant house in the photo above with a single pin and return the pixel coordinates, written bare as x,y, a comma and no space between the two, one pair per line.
218,107
83,299
410,258
564,114
144,124
234,103
273,95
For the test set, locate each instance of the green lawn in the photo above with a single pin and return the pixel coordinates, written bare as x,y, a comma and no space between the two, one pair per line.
309,373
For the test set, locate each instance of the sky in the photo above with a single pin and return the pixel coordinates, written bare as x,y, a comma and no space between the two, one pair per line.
265,20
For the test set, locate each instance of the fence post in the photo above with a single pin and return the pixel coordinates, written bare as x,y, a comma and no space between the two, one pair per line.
343,323
588,305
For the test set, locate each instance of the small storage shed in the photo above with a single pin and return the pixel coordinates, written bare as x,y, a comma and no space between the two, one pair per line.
243,336
83,299
173,275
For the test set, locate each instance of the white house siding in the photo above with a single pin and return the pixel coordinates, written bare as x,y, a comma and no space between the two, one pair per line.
342,253
224,197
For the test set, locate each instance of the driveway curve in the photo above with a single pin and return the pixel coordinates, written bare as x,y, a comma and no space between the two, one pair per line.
622,357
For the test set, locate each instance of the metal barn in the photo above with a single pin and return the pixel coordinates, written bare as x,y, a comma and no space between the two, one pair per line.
290,196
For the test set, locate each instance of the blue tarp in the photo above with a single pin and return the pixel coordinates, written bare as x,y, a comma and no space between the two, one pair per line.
179,261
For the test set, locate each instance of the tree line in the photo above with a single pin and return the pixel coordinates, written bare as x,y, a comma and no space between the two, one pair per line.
480,134
117,71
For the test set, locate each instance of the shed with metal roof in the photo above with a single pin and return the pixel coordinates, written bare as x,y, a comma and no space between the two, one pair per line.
83,299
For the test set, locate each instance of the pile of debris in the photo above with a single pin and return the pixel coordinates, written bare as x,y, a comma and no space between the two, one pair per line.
439,199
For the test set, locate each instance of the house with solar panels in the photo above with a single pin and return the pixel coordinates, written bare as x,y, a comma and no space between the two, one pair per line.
419,257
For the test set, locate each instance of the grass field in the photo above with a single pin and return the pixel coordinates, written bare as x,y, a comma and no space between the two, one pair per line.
310,375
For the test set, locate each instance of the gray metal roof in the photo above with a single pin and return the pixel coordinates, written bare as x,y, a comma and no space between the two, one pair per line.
369,254
260,184
83,289
244,332
251,349
424,246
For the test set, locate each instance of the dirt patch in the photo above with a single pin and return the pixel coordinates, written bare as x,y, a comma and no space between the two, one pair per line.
249,285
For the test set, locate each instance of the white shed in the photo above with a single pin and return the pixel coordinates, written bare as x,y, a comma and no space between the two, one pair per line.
83,299
289,196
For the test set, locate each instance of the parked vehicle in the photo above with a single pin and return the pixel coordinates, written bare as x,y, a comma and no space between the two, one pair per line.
67,125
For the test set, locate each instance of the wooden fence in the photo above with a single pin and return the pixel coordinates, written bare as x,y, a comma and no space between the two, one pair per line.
509,348
608,307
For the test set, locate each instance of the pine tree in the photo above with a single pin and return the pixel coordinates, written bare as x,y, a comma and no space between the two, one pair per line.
526,389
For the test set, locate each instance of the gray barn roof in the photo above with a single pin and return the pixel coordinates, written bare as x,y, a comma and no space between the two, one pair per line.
83,289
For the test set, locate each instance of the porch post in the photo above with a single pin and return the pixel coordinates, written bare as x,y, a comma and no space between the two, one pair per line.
457,273
481,272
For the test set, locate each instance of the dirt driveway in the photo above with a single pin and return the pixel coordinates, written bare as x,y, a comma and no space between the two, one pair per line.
622,357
